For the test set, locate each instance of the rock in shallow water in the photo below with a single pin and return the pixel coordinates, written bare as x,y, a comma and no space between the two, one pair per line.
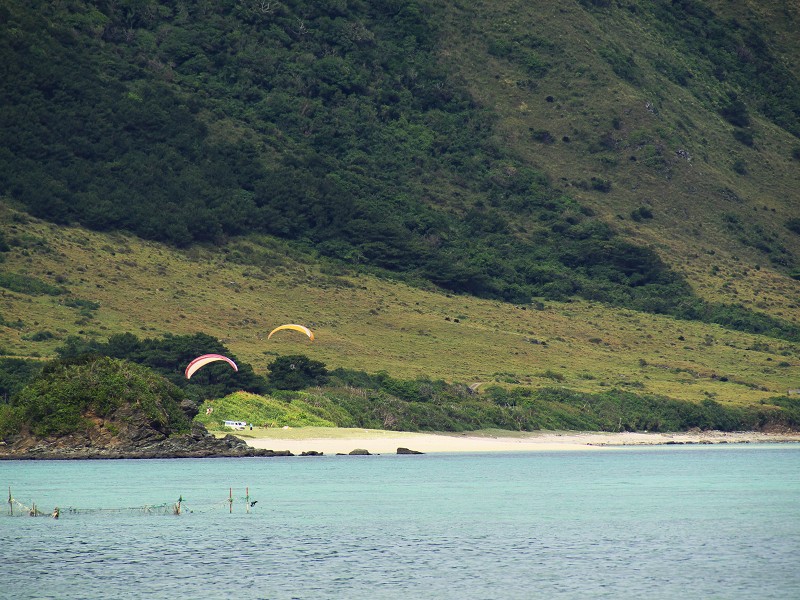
360,452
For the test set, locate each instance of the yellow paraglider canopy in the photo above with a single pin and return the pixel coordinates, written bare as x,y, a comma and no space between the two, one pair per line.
293,326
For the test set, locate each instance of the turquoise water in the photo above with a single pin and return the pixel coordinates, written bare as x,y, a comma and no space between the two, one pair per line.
666,522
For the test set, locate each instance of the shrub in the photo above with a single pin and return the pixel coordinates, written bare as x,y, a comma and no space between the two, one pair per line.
83,305
735,112
296,372
24,284
622,63
601,185
543,136
554,375
15,374
57,402
39,336
10,420
643,212
744,136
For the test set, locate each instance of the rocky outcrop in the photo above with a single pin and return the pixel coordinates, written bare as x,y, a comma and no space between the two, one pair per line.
360,452
136,442
407,451
109,408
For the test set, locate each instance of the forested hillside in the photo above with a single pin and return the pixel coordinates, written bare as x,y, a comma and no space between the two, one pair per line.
414,138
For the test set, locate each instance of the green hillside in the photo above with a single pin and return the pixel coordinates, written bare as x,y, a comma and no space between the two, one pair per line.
407,136
594,194
688,113
74,282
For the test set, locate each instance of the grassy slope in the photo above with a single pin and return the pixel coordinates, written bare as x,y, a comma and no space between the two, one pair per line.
371,324
651,120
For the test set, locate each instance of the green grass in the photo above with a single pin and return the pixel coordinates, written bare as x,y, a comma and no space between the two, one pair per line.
371,324
261,411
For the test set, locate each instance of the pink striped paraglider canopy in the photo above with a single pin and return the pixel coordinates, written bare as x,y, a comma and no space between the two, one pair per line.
202,361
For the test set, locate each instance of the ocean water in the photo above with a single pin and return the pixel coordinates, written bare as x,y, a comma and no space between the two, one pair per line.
662,522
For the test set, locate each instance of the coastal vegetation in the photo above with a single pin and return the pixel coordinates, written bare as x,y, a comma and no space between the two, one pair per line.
372,336
68,396
69,393
495,215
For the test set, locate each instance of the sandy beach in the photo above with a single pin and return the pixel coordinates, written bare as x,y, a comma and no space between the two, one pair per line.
343,441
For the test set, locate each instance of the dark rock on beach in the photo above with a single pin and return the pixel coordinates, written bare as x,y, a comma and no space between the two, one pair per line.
407,451
360,452
132,442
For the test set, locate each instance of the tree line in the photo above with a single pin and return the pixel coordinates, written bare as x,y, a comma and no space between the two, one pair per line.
106,377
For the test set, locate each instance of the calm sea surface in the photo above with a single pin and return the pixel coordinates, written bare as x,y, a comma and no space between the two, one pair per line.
666,522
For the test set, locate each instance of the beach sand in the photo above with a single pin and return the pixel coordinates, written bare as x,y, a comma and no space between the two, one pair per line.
343,441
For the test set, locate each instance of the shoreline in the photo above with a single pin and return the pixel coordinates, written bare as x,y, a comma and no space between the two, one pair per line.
330,441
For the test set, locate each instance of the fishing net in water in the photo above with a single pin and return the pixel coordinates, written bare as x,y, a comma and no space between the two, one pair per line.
20,509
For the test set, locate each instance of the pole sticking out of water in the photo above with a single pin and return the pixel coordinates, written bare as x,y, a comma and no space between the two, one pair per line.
10,502
230,500
247,499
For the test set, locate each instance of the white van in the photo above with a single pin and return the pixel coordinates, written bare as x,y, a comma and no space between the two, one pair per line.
238,425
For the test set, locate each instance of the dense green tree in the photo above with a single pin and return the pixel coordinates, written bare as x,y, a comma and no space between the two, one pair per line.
331,124
15,373
169,357
67,394
296,372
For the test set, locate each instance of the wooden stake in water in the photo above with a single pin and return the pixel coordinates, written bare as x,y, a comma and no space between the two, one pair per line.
230,500
247,499
10,502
